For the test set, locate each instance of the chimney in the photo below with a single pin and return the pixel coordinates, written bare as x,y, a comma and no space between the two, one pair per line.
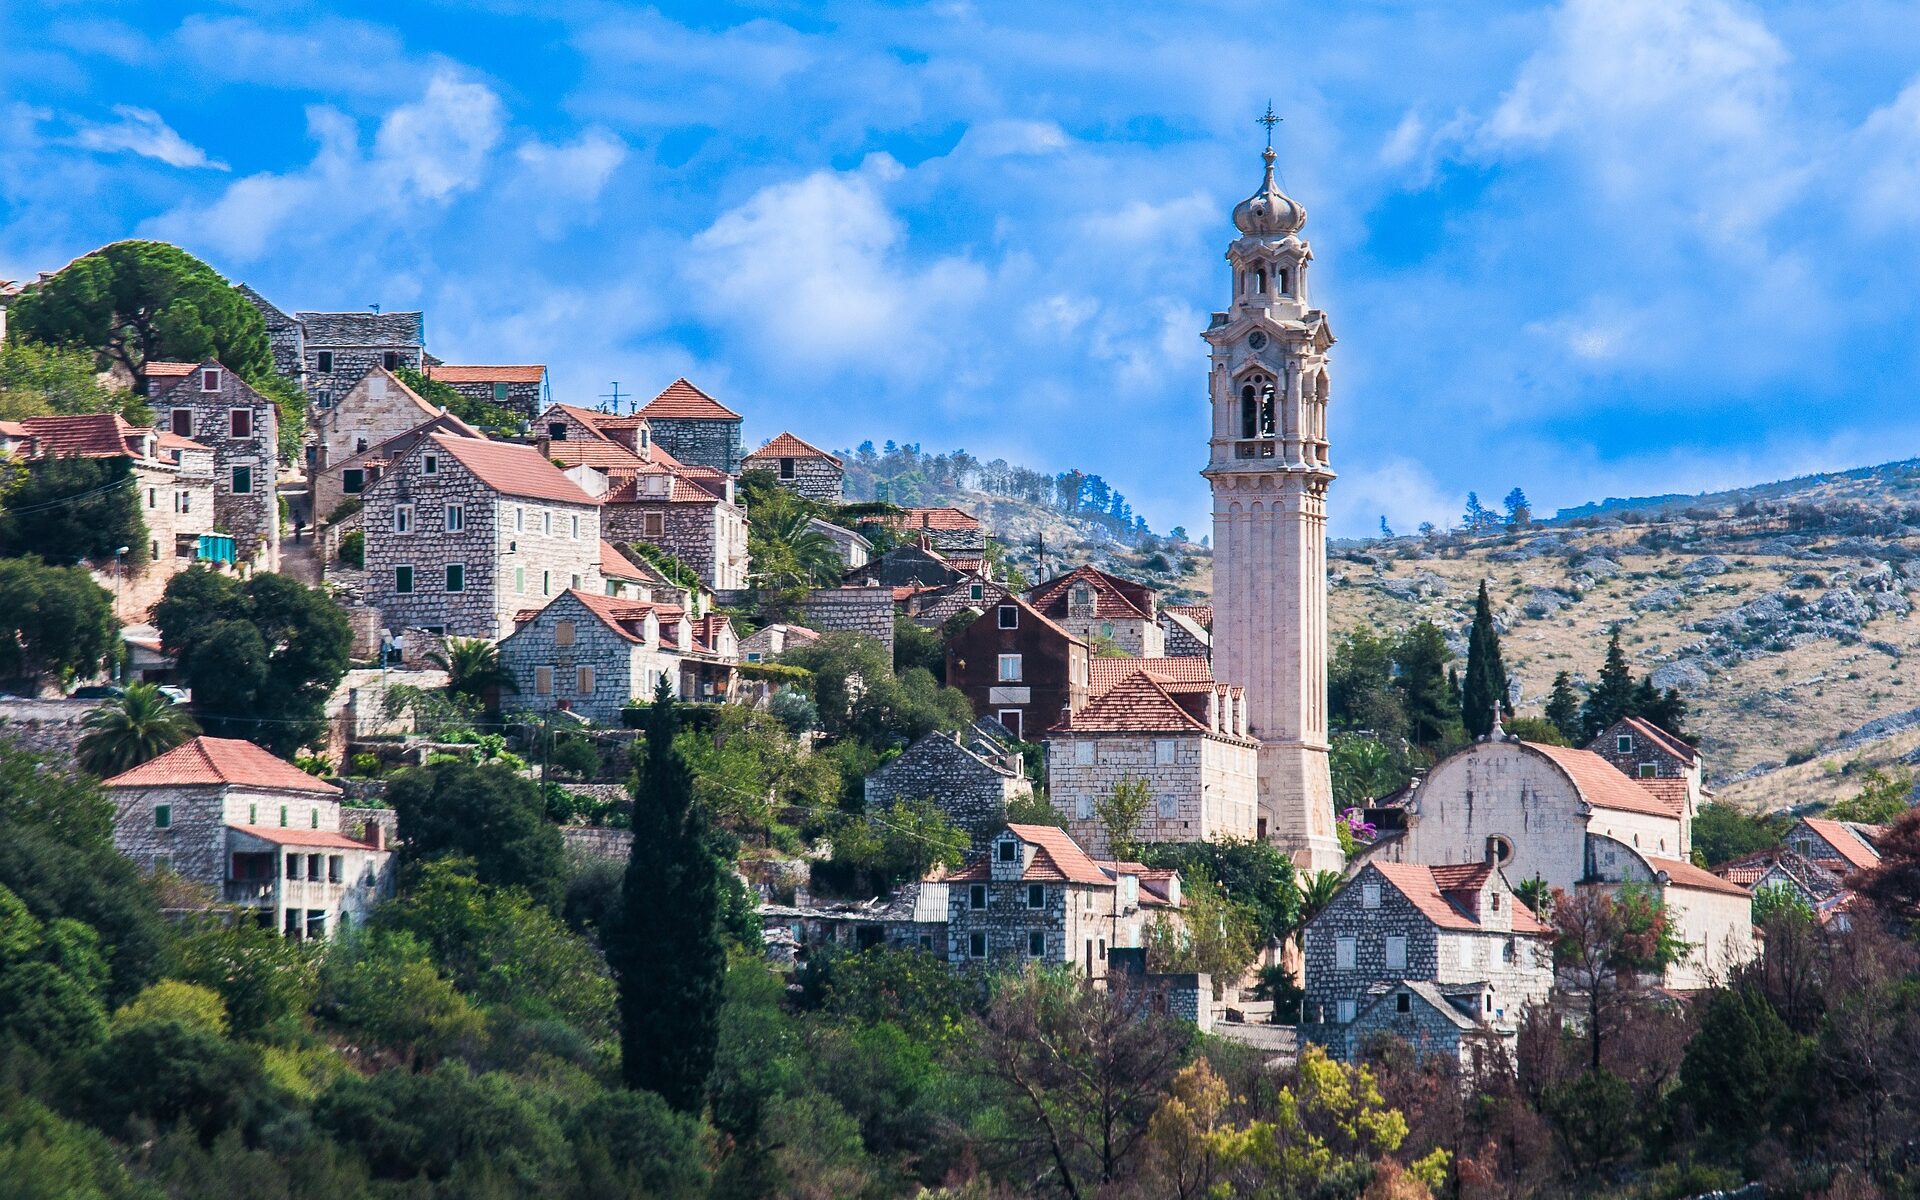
544,444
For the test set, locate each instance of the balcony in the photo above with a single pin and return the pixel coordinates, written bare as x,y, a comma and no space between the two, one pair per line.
250,892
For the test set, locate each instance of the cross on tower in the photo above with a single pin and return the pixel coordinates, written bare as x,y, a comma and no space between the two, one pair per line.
1269,120
614,396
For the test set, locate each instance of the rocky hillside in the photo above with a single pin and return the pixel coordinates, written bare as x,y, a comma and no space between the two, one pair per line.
1784,613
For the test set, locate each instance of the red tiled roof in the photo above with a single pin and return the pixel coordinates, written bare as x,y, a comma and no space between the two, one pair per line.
681,400
302,837
168,370
1423,891
949,518
706,630
1670,792
1110,594
602,453
1600,783
615,565
1686,875
612,611
221,760
1846,843
592,418
1104,673
788,446
168,440
512,470
1661,738
1138,704
518,373
12,429
90,435
1457,877
1201,614
1065,856
681,491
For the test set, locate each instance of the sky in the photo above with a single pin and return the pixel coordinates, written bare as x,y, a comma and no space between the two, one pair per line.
1603,247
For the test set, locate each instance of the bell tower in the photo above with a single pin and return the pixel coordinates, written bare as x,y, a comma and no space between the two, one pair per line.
1268,468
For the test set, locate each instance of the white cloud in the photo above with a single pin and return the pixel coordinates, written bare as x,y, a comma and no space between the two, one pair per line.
330,55
1887,148
1400,489
1008,138
141,131
575,170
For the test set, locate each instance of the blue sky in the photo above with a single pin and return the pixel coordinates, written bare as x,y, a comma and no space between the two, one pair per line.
1605,247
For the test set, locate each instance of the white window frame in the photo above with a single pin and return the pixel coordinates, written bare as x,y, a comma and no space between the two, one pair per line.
1037,889
977,897
210,379
1016,662
1164,750
430,464
234,416
1008,616
1623,743
653,525
403,518
977,944
1013,719
1347,1010
456,519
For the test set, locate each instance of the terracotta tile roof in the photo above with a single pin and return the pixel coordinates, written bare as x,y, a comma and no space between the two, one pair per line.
615,565
614,421
168,440
92,435
1138,704
602,453
1686,875
788,446
512,470
1201,614
1058,849
168,370
1104,673
612,611
301,837
221,760
1112,595
13,429
680,491
1845,842
1661,738
518,373
1417,883
683,401
590,417
1749,869
706,631
1670,792
949,518
1600,783
1457,877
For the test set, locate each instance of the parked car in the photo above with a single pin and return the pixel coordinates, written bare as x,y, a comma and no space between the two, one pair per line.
178,695
97,691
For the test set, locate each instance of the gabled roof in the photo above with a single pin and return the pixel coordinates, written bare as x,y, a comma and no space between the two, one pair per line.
615,565
947,518
89,435
301,837
681,490
1661,739
166,439
1058,856
788,446
1686,875
1426,888
168,370
681,400
1428,993
1138,704
1104,673
1749,869
611,611
363,328
1112,595
1200,614
1850,845
517,373
1670,792
1600,783
602,453
512,470
215,760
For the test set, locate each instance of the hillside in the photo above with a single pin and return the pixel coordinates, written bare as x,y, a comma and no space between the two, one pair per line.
1783,612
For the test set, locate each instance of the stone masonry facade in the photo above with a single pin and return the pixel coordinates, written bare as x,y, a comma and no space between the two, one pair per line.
710,537
972,785
815,478
340,348
701,441
852,610
592,671
1203,787
215,408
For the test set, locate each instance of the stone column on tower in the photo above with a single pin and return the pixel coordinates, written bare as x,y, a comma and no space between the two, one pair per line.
1269,474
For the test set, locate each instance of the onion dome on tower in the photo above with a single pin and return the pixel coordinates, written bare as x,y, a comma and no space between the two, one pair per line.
1269,212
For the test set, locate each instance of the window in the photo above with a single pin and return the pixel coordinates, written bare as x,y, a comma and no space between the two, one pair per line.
283,816
1085,811
182,422
210,380
1495,898
546,583
430,464
1163,751
1010,668
403,580
1106,629
313,819
1369,895
456,577
293,866
977,896
253,814
1347,1010
519,519
499,393
1259,280
520,580
543,681
557,431
353,481
456,518
653,525
1008,850
1403,1002
1083,753
240,422
574,581
573,530
334,863
786,468
359,445
1346,953
546,522
1036,944
976,591
563,633
1009,616
1169,806
153,497
323,362
1499,850
1648,770
584,680
403,518
1283,280
1010,719
162,816
390,360
313,868
242,481
1036,895
1623,744
184,501
1396,952
977,945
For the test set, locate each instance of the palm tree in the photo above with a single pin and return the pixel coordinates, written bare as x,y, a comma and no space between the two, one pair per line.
473,667
800,555
137,725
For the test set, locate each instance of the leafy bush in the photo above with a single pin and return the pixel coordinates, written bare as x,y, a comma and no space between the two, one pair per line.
353,550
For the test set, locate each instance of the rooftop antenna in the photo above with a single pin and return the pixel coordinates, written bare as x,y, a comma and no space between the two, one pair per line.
375,308
614,396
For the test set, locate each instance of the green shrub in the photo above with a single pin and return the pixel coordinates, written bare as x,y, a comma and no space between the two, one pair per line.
353,550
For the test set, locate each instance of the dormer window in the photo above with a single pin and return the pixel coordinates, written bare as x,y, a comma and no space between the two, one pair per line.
1009,850
557,430
210,379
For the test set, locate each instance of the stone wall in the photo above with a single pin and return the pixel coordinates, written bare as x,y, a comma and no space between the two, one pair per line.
349,364
709,536
176,502
206,415
973,792
374,409
1205,790
694,440
1135,637
588,841
522,399
621,669
49,727
851,610
815,478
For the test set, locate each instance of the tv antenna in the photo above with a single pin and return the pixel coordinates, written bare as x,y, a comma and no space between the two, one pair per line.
614,396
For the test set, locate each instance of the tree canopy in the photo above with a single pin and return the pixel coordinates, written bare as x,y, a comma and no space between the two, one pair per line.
53,621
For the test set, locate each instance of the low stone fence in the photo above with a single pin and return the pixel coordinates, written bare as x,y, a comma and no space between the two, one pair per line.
51,727
587,841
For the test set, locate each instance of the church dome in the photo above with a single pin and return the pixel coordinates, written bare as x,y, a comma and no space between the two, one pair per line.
1269,212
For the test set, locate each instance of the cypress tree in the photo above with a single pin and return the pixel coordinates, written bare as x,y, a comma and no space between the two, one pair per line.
664,942
1433,707
1486,682
1563,709
1611,697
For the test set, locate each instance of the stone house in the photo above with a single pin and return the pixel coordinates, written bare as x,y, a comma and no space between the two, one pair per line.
520,389
799,467
284,334
1105,673
973,775
463,533
172,478
709,665
695,428
690,516
630,576
769,642
917,566
346,478
340,348
1714,916
1648,753
1035,898
588,654
862,610
1842,847
215,408
934,607
1100,608
1457,931
948,529
1019,668
854,549
913,917
256,832
1182,633
1187,742
367,412
1821,890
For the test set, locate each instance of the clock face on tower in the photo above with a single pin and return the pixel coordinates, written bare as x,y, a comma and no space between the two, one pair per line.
1257,340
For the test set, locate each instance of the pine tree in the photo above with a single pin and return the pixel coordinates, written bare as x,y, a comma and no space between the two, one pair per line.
1611,697
664,943
1476,517
1563,708
1486,682
1433,708
1519,511
1666,709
